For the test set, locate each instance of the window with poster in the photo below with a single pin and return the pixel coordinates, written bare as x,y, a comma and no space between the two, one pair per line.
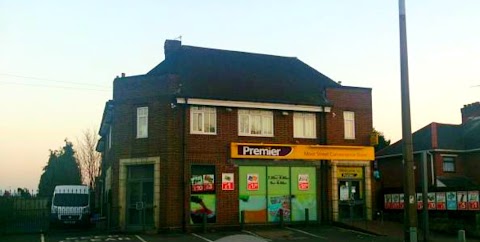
203,197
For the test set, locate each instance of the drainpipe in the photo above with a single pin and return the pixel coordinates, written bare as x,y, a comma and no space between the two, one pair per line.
324,172
432,169
186,180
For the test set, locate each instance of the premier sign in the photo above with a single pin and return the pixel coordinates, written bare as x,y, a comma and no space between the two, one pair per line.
275,151
301,152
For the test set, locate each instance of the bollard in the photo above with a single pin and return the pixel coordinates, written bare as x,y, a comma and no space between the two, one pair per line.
307,217
242,219
204,222
280,213
461,236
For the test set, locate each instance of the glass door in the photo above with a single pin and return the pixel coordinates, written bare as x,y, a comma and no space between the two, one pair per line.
140,196
278,190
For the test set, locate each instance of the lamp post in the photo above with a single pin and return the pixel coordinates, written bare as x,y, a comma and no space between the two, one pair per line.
410,212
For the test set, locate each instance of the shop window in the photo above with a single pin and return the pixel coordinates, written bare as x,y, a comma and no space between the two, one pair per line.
255,123
448,164
142,122
349,124
203,198
304,125
203,120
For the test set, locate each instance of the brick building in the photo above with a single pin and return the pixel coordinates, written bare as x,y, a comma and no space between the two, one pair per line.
218,132
452,155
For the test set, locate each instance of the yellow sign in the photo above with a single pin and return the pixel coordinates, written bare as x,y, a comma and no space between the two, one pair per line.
301,152
350,172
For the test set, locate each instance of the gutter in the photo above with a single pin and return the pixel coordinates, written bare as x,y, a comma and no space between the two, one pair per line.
431,150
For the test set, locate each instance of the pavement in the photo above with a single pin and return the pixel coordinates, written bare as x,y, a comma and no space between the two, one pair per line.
393,231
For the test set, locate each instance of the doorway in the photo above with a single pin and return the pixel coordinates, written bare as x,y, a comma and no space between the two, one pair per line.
139,207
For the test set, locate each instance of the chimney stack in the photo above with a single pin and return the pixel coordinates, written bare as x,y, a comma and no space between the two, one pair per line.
171,46
470,111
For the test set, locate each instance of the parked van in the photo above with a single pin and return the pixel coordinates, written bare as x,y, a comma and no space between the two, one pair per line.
71,204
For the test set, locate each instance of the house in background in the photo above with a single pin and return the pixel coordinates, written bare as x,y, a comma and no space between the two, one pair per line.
221,134
452,154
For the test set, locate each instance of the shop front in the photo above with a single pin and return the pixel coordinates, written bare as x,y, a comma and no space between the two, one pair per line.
282,181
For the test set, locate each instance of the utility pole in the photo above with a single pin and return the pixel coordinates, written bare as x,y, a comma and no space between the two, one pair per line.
410,223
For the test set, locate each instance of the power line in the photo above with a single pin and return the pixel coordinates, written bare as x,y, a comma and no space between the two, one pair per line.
45,79
50,86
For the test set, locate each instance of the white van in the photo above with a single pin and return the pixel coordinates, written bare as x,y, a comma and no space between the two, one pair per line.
71,205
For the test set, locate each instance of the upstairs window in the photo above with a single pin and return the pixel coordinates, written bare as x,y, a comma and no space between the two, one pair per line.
448,164
255,123
304,125
349,124
203,120
142,122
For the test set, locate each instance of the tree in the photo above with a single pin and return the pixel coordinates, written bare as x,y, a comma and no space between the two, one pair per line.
88,157
382,142
62,169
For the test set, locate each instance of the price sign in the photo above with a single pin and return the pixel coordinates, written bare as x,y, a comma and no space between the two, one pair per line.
228,182
252,182
473,203
303,182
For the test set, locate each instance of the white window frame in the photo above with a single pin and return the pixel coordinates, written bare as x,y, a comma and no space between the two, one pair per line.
202,114
142,119
452,161
300,123
264,116
349,124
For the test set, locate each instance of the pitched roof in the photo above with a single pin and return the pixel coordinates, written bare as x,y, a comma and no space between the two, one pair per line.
449,136
232,75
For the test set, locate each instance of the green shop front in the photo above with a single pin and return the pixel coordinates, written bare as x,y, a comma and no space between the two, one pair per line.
283,181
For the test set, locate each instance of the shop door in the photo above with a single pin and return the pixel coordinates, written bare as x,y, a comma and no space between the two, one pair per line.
351,203
304,193
278,191
140,196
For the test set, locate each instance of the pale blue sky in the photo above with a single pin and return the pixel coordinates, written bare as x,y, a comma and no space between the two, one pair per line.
84,44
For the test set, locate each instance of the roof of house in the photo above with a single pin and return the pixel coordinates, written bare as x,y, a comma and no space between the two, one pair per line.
449,136
232,75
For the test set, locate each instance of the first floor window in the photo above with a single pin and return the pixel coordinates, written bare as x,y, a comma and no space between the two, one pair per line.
203,120
142,122
304,125
349,124
255,123
448,164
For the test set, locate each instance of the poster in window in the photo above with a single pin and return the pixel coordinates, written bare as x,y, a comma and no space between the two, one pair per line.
441,201
462,201
402,201
419,201
473,201
431,201
303,182
252,182
228,182
451,200
209,182
388,201
343,193
197,183
396,201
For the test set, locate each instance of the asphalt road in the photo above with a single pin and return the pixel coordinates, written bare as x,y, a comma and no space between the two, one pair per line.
324,233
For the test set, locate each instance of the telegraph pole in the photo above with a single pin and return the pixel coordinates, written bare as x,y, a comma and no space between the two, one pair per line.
410,223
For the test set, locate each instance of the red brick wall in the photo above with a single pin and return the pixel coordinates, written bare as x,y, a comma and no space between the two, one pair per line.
357,100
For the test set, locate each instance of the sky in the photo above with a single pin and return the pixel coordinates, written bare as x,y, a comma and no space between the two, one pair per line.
58,59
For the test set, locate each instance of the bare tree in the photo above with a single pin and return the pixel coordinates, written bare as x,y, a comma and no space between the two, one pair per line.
88,157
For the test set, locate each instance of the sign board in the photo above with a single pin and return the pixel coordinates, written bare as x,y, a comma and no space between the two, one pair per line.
451,200
228,183
301,152
349,172
252,182
473,200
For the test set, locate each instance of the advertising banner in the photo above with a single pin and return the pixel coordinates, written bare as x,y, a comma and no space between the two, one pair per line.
441,201
462,201
419,201
388,201
197,183
396,201
451,200
252,182
473,200
228,183
402,201
431,201
303,182
209,182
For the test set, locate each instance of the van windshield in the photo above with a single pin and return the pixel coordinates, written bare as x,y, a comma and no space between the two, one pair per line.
70,200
